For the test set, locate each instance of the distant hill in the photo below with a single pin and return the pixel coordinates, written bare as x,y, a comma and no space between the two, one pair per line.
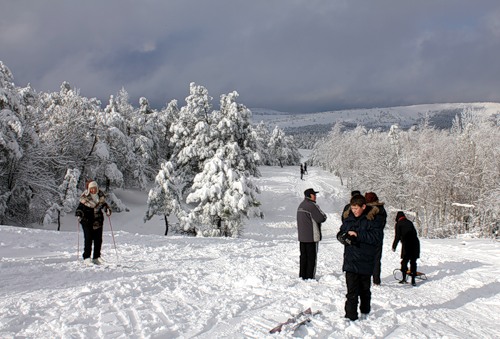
440,115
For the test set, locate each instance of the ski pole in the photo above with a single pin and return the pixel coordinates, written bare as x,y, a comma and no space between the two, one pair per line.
113,235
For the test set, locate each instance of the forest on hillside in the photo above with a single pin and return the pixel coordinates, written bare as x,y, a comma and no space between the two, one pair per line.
197,162
447,179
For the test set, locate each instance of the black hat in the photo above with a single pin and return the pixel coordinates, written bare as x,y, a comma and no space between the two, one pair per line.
399,215
308,192
354,193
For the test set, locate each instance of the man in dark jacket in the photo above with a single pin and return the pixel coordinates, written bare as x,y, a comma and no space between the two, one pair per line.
309,219
372,200
410,246
90,215
363,229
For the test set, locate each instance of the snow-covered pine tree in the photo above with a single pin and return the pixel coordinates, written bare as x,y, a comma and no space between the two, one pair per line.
166,117
145,141
67,199
282,148
224,191
191,136
164,198
262,136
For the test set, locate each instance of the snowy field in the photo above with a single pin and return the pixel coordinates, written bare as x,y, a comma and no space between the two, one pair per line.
178,287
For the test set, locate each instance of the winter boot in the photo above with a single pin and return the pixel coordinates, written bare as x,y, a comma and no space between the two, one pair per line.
98,261
413,280
403,281
87,261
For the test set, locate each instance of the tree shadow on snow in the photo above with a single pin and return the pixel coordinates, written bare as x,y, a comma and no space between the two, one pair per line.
463,298
447,269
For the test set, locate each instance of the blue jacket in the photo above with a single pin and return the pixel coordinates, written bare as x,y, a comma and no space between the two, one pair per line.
360,256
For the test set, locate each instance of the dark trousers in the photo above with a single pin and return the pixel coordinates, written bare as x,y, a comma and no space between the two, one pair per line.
377,267
308,255
358,287
94,236
413,266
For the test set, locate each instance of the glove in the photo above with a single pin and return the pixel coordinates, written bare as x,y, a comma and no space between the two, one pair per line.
346,239
79,213
349,240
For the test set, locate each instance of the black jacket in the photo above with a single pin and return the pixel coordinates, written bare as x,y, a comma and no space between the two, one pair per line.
407,234
91,216
359,257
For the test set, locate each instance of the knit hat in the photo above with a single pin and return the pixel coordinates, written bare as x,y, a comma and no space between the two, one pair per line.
370,197
93,184
308,192
399,215
354,193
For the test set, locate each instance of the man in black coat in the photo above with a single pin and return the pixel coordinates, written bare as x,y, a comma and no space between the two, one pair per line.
309,219
361,233
410,246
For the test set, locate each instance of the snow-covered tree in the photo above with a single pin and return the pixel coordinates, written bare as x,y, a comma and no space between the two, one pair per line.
67,199
224,191
23,169
164,198
71,131
447,179
282,148
166,117
191,135
262,136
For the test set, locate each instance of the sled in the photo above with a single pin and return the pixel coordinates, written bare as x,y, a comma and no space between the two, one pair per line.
398,275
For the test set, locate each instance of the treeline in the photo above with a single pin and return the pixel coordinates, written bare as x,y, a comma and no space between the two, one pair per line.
199,161
449,180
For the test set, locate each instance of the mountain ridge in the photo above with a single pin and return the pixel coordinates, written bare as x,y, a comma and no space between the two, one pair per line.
440,116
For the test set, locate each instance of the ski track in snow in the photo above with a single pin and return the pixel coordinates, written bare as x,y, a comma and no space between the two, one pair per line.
180,287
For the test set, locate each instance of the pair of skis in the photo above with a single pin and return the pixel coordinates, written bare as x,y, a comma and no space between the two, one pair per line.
295,321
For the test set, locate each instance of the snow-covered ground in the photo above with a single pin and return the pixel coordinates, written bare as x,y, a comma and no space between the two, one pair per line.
182,287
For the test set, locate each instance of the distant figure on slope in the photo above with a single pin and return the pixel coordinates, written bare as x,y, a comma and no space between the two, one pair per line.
410,246
301,172
360,233
347,208
372,200
309,219
305,168
90,215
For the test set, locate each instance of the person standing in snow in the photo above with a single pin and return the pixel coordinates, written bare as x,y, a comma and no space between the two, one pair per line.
305,168
309,219
90,215
301,172
410,246
361,233
372,200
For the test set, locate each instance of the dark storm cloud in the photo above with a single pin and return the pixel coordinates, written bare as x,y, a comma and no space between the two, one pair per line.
283,54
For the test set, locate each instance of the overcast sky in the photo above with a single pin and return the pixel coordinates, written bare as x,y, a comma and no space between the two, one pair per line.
288,55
